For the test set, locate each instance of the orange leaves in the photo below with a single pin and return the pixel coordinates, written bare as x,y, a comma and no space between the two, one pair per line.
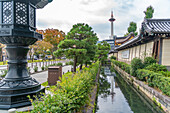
43,46
53,36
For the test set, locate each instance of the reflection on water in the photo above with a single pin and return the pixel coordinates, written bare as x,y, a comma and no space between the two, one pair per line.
116,96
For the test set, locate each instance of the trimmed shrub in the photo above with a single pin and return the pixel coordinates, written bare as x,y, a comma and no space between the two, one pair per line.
147,76
59,64
165,74
35,69
149,61
67,63
113,57
156,67
42,68
155,80
128,67
163,84
28,69
124,66
4,72
71,63
136,64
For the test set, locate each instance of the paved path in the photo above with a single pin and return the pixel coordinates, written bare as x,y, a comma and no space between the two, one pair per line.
41,77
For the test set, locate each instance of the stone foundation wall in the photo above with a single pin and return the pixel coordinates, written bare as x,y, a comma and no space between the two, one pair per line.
151,93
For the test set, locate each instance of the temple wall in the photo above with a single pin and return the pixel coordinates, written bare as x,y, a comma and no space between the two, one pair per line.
139,51
166,52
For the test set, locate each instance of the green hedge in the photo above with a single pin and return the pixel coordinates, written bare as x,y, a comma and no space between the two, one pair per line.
122,65
155,80
113,57
155,75
166,74
136,64
147,76
69,95
156,67
59,64
163,83
149,61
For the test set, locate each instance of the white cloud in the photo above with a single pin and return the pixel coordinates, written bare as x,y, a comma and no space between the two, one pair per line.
62,14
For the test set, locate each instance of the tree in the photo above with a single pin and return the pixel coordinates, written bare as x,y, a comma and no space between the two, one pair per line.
40,47
149,12
102,51
31,51
43,48
132,28
79,41
52,36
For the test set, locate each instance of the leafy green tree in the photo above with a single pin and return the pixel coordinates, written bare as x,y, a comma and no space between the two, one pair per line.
149,12
102,51
132,28
78,44
91,47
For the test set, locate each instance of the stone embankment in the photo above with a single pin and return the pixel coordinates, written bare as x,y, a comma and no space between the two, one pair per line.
161,100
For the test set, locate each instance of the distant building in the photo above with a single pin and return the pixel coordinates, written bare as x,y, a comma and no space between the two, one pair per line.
153,40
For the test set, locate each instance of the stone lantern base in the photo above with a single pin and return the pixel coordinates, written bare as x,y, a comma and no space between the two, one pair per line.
18,84
14,97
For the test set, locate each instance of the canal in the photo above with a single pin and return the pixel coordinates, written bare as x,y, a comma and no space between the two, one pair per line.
117,96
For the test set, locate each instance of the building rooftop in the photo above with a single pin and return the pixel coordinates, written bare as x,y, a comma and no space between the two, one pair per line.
150,27
156,25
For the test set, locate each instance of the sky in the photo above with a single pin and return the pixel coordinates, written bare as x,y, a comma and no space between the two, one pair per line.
63,14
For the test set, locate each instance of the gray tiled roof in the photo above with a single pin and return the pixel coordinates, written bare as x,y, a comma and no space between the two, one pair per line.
156,25
128,42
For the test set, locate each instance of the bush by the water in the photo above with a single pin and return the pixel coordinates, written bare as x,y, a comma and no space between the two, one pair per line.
70,95
113,57
156,67
122,65
155,75
149,61
155,80
165,73
136,64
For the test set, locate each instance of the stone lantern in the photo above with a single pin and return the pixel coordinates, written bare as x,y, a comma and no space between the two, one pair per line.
17,32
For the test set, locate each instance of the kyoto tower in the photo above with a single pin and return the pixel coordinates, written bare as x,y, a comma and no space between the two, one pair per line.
112,20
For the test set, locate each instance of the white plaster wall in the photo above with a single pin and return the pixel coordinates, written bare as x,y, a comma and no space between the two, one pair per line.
166,52
137,51
142,51
149,49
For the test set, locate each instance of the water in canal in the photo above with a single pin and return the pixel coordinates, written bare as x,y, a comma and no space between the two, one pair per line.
116,96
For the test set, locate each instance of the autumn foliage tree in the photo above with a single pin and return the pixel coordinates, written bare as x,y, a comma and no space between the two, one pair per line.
52,36
40,48
43,48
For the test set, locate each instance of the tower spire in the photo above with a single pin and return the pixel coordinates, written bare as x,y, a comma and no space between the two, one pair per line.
112,20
